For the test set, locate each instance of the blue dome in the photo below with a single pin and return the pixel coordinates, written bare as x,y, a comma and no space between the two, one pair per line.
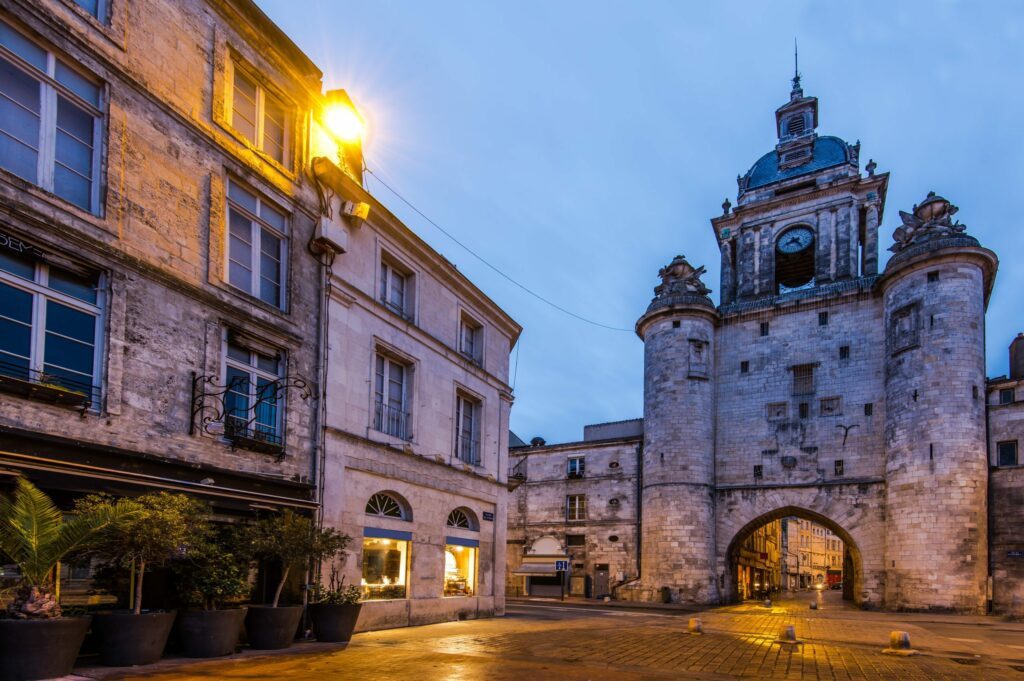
828,152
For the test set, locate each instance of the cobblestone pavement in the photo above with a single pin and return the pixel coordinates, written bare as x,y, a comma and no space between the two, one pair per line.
551,641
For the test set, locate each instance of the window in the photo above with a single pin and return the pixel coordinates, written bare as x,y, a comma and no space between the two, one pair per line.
764,328
576,467
1007,453
803,379
459,569
257,115
933,276
385,568
804,410
50,326
830,406
576,507
676,324
257,240
575,540
470,339
396,289
467,436
390,396
387,506
744,367
795,125
758,472
462,519
50,121
1006,396
844,352
97,8
253,404
823,319
838,465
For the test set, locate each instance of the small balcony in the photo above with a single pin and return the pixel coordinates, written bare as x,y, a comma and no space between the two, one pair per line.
392,421
517,474
47,387
253,436
467,450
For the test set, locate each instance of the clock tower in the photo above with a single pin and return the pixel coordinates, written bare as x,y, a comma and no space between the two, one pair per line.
805,216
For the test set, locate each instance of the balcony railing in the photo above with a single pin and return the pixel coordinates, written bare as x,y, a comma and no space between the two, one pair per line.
253,436
392,421
47,386
468,450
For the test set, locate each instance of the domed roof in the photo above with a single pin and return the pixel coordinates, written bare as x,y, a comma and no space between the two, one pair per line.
828,152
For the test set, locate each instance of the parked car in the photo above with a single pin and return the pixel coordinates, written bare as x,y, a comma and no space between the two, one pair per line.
836,586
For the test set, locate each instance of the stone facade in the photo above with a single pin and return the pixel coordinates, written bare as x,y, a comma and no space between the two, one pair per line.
823,390
601,542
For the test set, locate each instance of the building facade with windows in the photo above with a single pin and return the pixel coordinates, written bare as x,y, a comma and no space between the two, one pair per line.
826,388
416,421
578,505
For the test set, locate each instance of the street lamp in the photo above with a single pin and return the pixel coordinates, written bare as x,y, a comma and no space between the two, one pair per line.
342,118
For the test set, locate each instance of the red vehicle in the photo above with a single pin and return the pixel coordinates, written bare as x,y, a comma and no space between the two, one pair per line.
833,577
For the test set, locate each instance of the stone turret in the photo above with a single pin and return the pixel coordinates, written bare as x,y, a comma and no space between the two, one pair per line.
678,462
935,290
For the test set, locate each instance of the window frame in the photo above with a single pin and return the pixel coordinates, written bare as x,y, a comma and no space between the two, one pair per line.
1003,393
384,359
257,225
581,466
50,91
39,288
254,373
476,332
463,402
102,13
575,508
404,546
999,453
236,66
389,268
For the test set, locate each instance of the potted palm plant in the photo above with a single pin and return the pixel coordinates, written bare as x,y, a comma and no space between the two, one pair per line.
36,641
211,577
160,530
336,609
293,541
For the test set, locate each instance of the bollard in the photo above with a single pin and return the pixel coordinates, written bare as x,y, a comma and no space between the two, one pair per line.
767,603
814,605
695,627
787,635
899,644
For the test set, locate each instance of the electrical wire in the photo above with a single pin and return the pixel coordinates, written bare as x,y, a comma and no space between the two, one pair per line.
481,259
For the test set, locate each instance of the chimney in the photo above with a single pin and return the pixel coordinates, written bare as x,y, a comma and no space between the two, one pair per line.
1017,358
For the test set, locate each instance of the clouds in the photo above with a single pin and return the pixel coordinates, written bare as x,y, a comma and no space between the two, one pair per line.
579,146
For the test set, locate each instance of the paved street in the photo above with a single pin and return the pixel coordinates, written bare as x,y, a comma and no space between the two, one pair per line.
542,640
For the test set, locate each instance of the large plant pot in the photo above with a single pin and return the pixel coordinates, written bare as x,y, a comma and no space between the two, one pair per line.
40,649
209,633
334,623
270,628
126,639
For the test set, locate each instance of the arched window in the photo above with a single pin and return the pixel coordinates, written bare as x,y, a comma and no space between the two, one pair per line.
462,518
386,505
795,125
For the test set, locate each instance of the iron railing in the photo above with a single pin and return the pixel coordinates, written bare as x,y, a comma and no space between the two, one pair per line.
393,421
47,386
517,471
468,450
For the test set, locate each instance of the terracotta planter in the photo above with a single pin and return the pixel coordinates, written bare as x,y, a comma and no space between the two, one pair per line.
270,628
40,649
126,639
334,623
209,633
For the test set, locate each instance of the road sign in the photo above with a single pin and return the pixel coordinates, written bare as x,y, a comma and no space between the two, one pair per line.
561,565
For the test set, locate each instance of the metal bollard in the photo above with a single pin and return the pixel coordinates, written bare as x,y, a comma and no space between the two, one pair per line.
787,635
814,605
767,603
899,644
695,627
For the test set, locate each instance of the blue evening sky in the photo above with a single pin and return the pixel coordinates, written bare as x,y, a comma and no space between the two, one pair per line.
580,145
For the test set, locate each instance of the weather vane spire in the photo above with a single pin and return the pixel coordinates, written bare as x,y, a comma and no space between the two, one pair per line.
797,90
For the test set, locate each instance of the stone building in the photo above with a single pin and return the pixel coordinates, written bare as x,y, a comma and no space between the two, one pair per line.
823,389
759,562
580,499
812,555
197,294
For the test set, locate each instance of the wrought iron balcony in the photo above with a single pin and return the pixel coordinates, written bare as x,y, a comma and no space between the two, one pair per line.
467,450
392,421
47,386
517,473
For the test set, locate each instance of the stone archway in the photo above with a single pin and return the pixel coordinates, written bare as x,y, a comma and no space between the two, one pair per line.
854,512
852,570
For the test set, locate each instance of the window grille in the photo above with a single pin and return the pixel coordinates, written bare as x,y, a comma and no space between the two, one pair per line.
385,505
803,379
459,518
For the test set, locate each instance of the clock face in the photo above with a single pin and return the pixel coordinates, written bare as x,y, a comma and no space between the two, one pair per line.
795,240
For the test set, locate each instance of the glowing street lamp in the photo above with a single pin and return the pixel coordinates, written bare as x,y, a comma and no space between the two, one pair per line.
342,119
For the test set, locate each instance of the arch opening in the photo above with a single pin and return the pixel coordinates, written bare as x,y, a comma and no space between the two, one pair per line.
811,553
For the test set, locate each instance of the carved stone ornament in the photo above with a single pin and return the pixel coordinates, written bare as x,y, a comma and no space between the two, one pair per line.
932,219
679,276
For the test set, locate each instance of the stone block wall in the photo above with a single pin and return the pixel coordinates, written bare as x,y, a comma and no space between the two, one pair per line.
1006,499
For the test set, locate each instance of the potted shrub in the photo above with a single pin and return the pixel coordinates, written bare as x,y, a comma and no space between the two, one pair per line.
293,541
335,610
36,642
161,529
210,576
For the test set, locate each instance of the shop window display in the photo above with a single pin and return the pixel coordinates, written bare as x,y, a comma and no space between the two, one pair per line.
385,569
459,570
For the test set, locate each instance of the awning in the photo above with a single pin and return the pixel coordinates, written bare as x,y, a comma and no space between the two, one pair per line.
536,570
